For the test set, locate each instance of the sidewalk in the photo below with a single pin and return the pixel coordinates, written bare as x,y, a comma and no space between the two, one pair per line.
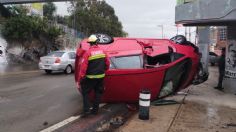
204,109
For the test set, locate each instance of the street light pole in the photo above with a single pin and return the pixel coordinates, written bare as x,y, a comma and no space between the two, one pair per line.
177,30
162,34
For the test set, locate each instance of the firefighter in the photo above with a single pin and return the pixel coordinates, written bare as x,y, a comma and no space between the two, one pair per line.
94,63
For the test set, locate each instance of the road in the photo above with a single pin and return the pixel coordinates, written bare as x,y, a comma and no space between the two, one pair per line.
33,101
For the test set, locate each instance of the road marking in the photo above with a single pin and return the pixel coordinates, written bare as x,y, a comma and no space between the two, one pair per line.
64,122
61,124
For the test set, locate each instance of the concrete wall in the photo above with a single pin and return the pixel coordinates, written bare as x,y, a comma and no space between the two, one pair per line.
230,80
204,11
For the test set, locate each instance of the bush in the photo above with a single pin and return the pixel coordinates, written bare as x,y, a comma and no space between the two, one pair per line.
53,32
25,28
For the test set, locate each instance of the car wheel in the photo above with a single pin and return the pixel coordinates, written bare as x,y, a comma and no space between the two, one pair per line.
212,64
179,39
48,71
68,70
104,39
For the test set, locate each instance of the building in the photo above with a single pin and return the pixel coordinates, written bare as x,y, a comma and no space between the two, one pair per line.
218,38
207,13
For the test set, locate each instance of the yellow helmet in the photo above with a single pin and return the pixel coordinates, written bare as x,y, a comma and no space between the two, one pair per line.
92,39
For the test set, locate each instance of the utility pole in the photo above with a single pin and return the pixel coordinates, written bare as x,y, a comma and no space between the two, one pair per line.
177,29
189,34
185,31
162,28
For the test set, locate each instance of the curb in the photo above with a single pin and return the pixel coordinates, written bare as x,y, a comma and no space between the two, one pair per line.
93,122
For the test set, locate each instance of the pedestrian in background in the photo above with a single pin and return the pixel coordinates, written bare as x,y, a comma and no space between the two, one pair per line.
94,63
221,65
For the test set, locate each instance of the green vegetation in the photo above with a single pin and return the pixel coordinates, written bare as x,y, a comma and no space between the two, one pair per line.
24,27
95,17
49,10
87,17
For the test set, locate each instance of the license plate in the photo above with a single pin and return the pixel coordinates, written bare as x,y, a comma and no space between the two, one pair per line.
47,66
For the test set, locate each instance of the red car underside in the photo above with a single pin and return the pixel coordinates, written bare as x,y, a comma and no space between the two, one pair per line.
160,66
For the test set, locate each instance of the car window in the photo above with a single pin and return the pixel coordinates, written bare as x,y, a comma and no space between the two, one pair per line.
56,54
212,53
72,55
127,62
163,59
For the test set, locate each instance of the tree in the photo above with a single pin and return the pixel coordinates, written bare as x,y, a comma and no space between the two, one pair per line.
62,19
48,10
24,28
95,16
17,10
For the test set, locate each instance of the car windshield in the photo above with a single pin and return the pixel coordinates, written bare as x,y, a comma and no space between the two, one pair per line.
127,62
56,54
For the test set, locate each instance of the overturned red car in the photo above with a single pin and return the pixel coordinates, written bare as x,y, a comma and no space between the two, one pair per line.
161,66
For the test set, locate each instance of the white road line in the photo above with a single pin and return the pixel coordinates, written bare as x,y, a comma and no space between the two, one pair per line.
64,122
61,124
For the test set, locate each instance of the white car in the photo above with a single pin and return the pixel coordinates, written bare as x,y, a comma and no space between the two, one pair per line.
58,61
213,58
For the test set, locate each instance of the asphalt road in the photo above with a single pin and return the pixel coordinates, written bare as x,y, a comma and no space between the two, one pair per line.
34,101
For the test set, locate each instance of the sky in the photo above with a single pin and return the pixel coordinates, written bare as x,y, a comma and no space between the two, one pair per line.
142,18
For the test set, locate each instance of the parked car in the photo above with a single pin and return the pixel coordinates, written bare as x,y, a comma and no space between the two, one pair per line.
58,61
213,58
160,65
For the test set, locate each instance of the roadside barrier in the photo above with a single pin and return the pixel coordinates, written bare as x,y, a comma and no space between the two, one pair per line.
144,104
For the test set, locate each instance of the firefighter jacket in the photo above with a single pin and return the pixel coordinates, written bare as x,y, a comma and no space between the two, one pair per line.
94,63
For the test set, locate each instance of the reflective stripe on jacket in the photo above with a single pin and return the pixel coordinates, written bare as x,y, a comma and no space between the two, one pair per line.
96,76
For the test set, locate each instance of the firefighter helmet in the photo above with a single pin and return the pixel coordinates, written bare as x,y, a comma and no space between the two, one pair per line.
92,39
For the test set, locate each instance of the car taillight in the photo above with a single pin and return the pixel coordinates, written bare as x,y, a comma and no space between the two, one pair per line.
58,60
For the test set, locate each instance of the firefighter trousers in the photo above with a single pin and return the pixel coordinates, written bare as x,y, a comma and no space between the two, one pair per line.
87,86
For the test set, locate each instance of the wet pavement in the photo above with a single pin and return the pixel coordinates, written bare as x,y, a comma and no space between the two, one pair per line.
203,109
197,117
13,68
33,101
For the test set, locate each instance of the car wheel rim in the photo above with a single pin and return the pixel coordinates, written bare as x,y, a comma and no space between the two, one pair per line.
68,69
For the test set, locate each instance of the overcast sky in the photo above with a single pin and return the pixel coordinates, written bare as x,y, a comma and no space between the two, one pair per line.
140,18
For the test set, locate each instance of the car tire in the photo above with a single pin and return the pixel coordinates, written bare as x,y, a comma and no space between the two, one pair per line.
68,70
212,64
48,71
104,39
